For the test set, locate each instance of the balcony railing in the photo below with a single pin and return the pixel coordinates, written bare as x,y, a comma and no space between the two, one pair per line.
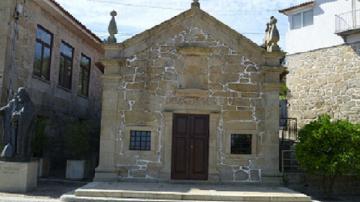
347,22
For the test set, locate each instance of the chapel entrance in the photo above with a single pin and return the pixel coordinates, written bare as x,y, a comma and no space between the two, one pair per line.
190,147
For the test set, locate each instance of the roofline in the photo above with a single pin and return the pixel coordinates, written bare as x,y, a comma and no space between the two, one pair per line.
149,31
75,21
299,6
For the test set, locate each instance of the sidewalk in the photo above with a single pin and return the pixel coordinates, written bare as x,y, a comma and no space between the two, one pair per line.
48,190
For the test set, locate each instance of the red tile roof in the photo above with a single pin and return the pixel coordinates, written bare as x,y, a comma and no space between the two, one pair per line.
82,26
297,6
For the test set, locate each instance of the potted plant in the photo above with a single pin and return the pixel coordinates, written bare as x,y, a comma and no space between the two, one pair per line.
38,143
77,144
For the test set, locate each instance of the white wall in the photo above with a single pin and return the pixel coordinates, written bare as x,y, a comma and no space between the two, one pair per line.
322,33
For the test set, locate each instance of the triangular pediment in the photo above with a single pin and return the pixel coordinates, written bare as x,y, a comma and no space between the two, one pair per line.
196,18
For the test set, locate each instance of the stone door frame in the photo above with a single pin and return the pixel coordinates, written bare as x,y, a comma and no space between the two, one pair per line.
190,147
214,117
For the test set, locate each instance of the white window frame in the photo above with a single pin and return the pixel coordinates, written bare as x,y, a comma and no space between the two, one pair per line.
302,19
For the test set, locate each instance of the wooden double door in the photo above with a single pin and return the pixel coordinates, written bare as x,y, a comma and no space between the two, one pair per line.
190,147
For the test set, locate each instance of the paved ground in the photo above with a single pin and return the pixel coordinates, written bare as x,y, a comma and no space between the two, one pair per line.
51,190
47,191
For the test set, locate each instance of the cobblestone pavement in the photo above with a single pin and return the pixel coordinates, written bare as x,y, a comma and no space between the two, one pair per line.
47,191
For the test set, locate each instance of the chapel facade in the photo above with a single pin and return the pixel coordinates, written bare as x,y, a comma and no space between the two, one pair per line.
191,99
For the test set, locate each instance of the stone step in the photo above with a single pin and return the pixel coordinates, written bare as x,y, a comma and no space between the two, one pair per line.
73,198
165,192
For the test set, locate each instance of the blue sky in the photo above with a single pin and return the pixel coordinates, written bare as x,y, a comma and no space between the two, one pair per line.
134,16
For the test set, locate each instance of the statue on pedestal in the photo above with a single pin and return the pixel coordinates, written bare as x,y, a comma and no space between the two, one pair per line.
18,117
272,36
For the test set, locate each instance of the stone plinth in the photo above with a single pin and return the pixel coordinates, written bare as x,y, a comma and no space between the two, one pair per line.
18,176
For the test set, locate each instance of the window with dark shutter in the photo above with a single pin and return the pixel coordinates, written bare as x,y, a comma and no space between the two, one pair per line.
42,58
66,65
241,143
84,76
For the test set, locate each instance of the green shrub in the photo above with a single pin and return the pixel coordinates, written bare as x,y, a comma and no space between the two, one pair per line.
39,139
283,91
329,149
77,139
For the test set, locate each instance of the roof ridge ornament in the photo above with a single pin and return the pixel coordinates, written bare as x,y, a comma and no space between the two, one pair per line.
112,29
272,36
195,4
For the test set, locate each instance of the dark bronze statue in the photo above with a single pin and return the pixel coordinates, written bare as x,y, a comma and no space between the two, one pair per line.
18,117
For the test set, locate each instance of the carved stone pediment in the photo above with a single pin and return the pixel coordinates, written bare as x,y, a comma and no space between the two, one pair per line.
191,93
193,72
194,49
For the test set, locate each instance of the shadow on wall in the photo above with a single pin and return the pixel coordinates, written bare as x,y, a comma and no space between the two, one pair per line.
320,11
58,150
356,47
311,185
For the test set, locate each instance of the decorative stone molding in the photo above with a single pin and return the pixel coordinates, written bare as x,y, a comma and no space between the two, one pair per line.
194,49
191,93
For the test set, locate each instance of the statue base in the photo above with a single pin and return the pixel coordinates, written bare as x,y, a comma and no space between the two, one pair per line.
18,177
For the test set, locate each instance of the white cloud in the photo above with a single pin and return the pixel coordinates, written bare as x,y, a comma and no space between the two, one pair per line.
134,16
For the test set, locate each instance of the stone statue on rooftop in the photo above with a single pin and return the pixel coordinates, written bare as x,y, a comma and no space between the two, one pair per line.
18,117
272,36
112,29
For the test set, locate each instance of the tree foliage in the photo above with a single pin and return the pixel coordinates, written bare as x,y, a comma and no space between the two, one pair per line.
283,91
330,149
77,139
39,139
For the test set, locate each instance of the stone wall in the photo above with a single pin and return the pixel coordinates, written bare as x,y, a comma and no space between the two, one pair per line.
5,15
59,105
47,94
190,69
325,81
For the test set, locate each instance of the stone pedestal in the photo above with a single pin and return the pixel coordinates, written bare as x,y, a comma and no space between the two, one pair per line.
18,176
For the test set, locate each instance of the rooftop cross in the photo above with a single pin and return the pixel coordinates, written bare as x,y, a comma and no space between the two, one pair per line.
195,4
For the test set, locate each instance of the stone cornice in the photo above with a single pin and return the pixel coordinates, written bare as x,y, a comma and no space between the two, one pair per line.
112,66
113,62
192,93
271,87
194,49
274,69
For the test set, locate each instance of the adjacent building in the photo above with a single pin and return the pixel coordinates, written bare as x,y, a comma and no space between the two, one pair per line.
190,99
323,45
50,53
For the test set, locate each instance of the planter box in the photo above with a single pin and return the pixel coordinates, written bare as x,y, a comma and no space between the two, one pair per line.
75,169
